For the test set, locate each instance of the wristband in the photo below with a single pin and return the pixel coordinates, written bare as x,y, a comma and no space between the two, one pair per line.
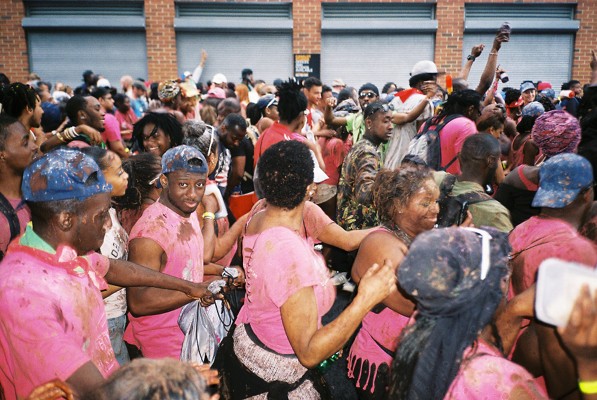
208,215
588,387
471,57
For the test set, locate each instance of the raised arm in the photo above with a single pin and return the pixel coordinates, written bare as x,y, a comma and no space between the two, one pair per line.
328,114
490,67
399,118
475,53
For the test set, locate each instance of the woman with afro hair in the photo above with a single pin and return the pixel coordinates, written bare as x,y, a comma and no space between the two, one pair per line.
279,339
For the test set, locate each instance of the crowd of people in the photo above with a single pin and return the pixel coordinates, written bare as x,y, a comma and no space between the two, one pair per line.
182,240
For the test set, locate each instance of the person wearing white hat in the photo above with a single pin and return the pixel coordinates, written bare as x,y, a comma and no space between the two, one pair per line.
219,80
423,77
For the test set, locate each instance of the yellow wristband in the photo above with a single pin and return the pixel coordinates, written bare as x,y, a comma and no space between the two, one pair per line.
208,215
588,387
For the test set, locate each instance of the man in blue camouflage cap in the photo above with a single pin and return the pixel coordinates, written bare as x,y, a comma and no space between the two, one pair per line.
53,323
565,197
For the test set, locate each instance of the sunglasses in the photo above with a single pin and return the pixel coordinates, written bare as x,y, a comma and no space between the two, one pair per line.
485,250
369,95
369,111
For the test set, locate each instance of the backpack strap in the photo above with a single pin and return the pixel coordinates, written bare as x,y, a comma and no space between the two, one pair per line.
445,188
474,197
11,216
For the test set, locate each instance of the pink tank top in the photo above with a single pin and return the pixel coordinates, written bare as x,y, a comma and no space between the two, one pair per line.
158,335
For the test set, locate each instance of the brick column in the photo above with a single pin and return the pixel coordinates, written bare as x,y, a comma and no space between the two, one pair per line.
14,61
450,32
586,13
306,34
161,40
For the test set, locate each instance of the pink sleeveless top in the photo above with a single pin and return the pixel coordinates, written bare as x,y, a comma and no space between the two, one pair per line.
383,329
158,335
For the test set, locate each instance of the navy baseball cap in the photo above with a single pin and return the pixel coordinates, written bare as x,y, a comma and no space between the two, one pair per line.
184,157
63,174
561,179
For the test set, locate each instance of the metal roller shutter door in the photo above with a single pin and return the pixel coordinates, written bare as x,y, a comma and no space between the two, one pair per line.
541,46
528,56
235,36
375,42
376,58
268,54
63,56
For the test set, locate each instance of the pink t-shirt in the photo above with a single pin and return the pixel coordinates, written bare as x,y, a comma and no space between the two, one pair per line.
486,374
24,215
540,238
159,336
53,319
111,131
452,137
314,219
334,152
278,263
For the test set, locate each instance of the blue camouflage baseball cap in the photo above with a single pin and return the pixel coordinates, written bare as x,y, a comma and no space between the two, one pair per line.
561,179
63,174
184,157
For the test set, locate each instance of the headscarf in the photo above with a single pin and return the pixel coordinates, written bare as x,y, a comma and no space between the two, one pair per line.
454,303
556,132
168,90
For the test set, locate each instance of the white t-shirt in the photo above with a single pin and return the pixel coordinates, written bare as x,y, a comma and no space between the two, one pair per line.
116,245
402,134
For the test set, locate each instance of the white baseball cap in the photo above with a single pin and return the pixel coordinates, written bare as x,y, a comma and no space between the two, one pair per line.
424,67
219,78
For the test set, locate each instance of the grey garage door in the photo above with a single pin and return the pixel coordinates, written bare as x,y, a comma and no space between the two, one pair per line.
235,36
541,46
376,58
375,42
68,37
528,56
63,56
268,54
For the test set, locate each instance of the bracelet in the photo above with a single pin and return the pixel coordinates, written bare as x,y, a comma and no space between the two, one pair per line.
589,387
59,136
70,133
208,215
493,54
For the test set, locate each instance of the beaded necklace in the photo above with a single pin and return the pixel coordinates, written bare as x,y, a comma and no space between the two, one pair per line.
399,233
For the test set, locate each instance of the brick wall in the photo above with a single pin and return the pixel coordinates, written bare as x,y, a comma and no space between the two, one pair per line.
161,40
586,12
450,31
306,33
161,37
14,61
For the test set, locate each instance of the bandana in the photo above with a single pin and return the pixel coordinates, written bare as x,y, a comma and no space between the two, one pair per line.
556,132
168,90
457,289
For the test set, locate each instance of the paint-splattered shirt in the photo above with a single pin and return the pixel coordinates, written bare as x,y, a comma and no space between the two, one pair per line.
53,319
355,200
486,374
159,335
278,263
